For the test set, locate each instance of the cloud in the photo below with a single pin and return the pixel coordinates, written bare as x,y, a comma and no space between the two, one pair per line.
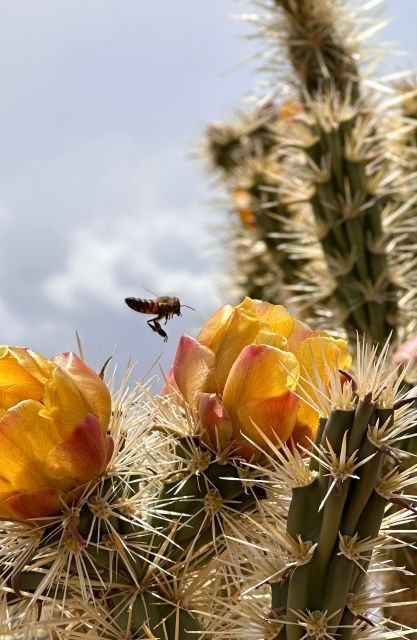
98,197
12,328
162,254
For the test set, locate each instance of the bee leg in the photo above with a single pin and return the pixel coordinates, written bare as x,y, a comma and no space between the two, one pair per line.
160,331
155,326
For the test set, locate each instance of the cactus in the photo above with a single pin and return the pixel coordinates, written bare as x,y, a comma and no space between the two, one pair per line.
243,157
193,530
343,178
339,526
341,150
129,557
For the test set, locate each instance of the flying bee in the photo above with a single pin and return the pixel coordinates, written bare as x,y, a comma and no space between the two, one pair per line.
164,307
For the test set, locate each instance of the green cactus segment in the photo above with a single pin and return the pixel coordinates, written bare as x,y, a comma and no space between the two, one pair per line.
339,511
341,149
193,502
151,614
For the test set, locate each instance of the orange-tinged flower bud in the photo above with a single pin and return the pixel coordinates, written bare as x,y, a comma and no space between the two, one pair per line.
52,431
247,373
291,109
243,204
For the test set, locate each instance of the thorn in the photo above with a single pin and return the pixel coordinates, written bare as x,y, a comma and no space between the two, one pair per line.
367,397
402,503
75,534
350,378
103,368
390,452
17,572
365,619
404,401
80,345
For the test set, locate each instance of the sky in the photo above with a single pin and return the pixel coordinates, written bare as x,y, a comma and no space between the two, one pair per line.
103,106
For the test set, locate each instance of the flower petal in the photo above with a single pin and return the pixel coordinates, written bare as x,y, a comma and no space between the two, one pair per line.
319,355
275,417
213,330
214,418
88,383
241,331
38,366
170,386
82,455
25,440
17,382
265,311
63,402
278,320
260,372
192,366
31,504
301,435
271,339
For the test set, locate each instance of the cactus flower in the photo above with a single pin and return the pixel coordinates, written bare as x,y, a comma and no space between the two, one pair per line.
245,374
54,416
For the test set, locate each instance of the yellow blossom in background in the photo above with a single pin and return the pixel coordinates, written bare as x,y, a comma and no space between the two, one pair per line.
247,374
54,416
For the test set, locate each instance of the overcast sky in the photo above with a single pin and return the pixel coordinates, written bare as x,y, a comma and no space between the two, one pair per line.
102,103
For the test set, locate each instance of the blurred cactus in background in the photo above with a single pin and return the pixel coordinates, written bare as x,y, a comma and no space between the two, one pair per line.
330,184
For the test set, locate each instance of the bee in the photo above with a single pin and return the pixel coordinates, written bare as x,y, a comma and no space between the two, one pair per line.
164,307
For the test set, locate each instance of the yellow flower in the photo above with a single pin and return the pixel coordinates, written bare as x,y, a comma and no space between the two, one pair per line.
54,416
246,372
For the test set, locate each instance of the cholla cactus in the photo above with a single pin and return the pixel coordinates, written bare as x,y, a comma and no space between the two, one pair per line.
339,527
343,173
199,521
243,156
